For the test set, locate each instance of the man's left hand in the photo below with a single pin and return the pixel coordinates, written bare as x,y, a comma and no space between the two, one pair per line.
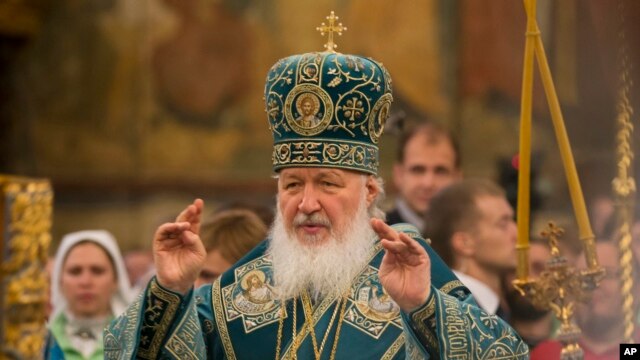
405,272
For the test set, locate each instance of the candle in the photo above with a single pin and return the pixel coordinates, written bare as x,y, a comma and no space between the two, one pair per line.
524,164
575,190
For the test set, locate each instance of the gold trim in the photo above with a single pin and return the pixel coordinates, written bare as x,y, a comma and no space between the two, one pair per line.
422,314
318,313
218,311
325,304
181,331
357,315
384,103
451,285
172,302
454,321
394,348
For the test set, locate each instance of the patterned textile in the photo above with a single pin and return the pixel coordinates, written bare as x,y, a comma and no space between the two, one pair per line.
327,109
238,317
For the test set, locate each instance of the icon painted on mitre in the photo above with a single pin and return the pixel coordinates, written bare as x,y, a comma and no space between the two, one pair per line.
308,106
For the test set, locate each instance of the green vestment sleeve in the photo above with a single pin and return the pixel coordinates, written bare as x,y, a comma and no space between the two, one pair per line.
222,321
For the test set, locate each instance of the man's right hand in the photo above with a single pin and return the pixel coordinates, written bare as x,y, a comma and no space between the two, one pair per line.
178,251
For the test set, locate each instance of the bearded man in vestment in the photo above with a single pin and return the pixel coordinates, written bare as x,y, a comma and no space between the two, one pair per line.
329,255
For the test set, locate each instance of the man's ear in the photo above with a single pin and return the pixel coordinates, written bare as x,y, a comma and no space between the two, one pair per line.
372,189
463,244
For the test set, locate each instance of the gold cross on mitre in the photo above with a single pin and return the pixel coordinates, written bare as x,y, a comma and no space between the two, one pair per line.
330,29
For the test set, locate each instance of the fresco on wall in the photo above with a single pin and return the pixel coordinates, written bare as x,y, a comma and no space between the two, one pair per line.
162,89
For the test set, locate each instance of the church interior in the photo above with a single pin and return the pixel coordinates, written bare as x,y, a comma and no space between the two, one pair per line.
133,108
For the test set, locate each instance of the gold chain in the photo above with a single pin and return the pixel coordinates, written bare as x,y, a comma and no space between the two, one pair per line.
624,184
281,326
335,340
306,305
308,313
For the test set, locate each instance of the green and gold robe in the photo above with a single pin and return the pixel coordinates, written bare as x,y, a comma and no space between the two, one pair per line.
239,317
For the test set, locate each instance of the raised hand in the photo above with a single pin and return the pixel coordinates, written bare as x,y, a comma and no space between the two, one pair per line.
405,272
178,251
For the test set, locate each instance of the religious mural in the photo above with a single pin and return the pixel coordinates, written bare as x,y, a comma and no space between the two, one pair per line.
145,89
152,94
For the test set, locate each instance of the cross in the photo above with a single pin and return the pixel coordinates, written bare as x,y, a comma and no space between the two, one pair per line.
351,109
330,29
553,232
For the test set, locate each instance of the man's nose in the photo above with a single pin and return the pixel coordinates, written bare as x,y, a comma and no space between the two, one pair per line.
428,178
310,202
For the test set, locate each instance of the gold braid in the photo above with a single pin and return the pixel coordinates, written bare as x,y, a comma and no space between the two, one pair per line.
281,326
624,184
335,341
308,313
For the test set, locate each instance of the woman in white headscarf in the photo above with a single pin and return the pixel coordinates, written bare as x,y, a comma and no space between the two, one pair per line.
89,286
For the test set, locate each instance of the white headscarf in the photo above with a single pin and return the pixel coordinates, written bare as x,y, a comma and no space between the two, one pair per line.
121,298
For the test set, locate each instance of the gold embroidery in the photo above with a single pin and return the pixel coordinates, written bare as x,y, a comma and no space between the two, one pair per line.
317,315
379,116
453,323
125,326
282,315
320,311
373,309
412,351
306,305
183,340
394,348
502,348
208,326
310,102
221,323
309,68
306,152
420,319
160,310
251,297
337,153
466,332
412,231
446,288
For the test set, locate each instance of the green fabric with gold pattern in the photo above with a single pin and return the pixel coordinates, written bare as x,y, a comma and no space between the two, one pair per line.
238,317
327,109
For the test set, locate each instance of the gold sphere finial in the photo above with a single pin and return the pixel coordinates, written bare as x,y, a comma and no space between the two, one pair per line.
330,29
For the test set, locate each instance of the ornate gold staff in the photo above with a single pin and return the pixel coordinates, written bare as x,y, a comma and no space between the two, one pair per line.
624,186
562,285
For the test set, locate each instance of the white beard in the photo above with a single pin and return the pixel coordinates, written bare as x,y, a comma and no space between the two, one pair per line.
324,269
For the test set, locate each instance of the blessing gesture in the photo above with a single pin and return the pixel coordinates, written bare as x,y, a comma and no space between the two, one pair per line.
405,271
178,251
